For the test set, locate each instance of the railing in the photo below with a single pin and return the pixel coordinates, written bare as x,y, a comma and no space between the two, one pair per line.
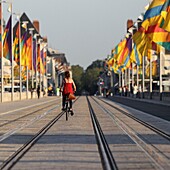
156,96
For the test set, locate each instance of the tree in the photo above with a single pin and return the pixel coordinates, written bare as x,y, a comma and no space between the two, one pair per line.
87,80
78,72
91,76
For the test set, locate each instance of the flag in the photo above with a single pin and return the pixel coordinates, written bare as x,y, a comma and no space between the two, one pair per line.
38,58
124,57
23,49
42,61
16,45
154,69
156,18
153,14
7,41
119,48
142,41
34,54
115,67
166,25
45,60
159,36
28,53
135,55
0,29
166,16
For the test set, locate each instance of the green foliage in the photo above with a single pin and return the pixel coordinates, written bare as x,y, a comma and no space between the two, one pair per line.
87,80
78,72
90,80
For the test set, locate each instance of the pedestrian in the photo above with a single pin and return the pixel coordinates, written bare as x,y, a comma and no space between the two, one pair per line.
131,89
68,86
126,90
44,92
139,91
50,89
120,91
135,90
38,91
32,90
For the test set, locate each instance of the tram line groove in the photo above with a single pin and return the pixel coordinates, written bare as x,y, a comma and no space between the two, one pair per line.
15,157
107,159
157,156
24,116
10,162
151,127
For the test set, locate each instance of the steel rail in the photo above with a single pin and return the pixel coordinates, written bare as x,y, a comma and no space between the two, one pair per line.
151,127
107,159
24,116
14,158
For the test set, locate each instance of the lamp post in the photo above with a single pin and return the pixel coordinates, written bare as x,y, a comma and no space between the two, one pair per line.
40,40
11,53
19,38
2,82
35,36
11,56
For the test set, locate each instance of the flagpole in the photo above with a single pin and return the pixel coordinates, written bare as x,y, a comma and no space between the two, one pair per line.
46,48
143,76
36,75
32,76
162,51
36,60
129,82
137,75
133,74
150,77
120,79
2,81
20,57
40,66
43,67
11,52
12,58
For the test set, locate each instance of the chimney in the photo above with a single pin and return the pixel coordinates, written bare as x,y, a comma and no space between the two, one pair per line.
129,23
45,39
36,25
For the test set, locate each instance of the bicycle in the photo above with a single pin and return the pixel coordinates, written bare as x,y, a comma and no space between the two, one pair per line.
67,109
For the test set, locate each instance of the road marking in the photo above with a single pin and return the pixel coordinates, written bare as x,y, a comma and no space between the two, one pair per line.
24,125
1,114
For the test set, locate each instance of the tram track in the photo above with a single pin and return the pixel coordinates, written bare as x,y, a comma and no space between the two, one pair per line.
12,126
107,159
151,127
15,157
118,142
159,158
25,115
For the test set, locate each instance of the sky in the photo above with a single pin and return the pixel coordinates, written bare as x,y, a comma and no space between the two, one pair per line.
85,30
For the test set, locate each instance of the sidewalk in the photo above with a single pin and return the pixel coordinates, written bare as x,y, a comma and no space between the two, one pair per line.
153,101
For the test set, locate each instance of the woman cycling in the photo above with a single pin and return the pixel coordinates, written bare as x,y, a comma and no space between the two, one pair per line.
68,86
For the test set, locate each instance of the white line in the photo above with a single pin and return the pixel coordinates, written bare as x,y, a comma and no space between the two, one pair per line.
24,125
1,114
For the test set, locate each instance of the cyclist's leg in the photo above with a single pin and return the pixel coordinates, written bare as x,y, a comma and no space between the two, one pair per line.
71,103
63,102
